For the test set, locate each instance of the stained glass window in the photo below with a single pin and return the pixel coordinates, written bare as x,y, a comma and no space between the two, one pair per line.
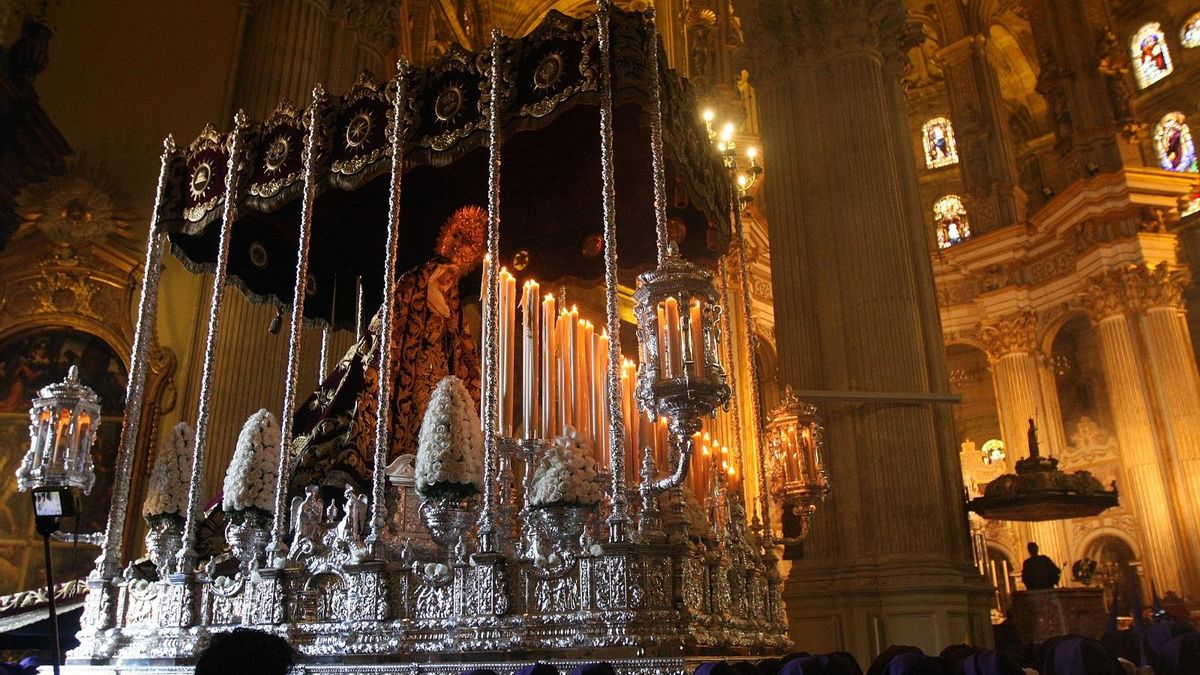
1151,58
1190,35
1192,206
1173,141
951,220
938,138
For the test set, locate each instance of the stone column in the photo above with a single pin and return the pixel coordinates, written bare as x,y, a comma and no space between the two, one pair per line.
1020,395
1168,536
889,558
291,45
283,54
978,113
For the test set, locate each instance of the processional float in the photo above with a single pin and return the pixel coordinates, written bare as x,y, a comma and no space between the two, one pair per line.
568,131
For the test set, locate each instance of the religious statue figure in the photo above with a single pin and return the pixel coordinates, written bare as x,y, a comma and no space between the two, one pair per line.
354,522
334,429
1114,65
1039,572
749,103
306,512
1031,437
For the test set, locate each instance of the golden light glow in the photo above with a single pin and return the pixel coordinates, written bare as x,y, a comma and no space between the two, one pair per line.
709,115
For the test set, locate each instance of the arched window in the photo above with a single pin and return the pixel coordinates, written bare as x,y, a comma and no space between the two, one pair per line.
951,220
1173,141
1190,35
1151,58
937,135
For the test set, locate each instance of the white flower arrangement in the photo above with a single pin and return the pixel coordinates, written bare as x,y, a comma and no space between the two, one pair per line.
450,444
566,474
253,471
166,494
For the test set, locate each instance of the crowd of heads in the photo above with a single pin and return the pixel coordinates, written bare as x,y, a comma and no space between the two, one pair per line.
1165,647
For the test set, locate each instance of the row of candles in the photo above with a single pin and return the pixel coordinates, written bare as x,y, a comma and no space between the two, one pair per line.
564,375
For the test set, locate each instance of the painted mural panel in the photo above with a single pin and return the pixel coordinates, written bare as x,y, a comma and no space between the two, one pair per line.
28,363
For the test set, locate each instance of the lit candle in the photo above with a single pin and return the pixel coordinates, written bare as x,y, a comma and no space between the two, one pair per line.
530,334
560,360
696,327
664,361
629,420
548,382
600,400
571,365
584,366
674,344
507,349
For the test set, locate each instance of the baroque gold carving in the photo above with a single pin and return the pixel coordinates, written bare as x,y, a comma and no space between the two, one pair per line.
1011,334
1132,289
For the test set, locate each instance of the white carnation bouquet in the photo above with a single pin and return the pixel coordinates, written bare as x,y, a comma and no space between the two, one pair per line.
566,474
450,444
253,471
167,493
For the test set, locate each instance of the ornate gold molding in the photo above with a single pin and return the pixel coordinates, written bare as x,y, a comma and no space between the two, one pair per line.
1133,289
1010,334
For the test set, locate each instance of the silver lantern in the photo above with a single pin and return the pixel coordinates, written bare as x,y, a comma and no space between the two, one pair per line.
796,448
681,377
63,423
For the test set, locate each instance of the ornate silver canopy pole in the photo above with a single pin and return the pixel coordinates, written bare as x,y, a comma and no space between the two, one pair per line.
491,355
618,520
296,328
187,555
756,425
387,316
109,563
657,161
730,361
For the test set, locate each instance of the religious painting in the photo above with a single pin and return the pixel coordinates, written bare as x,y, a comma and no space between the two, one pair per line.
1173,143
937,135
1151,57
950,217
28,363
1192,205
1190,35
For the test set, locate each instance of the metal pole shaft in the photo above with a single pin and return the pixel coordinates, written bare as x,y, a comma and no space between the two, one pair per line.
387,315
491,355
618,521
109,562
53,603
764,496
296,328
188,555
731,364
657,161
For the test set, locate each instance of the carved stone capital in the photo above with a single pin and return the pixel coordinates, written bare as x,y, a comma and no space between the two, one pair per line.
1011,334
780,32
1132,289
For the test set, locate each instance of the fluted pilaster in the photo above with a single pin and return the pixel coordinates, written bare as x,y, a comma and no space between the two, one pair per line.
852,313
1134,383
283,54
